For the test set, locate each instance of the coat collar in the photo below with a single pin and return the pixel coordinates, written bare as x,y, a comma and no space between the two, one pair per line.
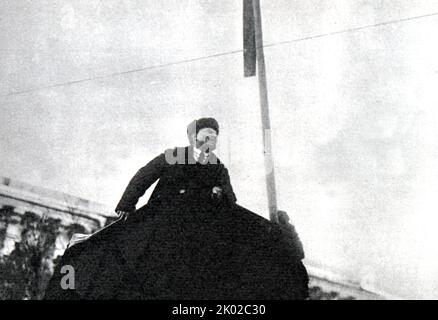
211,159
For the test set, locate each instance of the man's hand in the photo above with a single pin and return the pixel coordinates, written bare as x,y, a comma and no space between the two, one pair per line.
123,214
216,193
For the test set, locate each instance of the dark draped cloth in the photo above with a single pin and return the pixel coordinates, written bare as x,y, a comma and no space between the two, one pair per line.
185,243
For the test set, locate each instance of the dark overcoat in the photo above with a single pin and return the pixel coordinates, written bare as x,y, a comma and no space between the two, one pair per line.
185,243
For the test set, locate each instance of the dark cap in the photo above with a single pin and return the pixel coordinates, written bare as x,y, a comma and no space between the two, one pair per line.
202,123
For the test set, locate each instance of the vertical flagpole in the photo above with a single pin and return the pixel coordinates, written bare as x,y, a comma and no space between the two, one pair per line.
264,105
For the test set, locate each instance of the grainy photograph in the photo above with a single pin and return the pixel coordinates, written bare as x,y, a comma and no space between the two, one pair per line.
218,150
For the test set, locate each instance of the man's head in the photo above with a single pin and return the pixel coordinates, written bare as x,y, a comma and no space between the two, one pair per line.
202,133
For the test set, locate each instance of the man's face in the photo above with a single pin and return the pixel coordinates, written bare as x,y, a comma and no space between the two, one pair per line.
206,139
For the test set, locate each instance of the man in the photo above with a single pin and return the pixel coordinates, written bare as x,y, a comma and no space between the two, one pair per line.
203,135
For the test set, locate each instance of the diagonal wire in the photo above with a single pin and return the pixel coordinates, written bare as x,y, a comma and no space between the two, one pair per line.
159,66
356,29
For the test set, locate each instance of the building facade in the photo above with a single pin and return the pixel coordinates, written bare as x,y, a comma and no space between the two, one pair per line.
70,214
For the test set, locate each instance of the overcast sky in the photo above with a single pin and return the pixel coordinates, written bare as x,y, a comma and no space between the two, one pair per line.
90,91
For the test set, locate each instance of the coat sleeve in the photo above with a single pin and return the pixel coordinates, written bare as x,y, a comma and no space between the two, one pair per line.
141,181
225,182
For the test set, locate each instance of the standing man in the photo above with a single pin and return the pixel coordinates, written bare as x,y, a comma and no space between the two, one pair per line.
203,135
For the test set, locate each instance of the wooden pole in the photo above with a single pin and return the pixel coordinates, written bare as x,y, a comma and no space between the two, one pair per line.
264,105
